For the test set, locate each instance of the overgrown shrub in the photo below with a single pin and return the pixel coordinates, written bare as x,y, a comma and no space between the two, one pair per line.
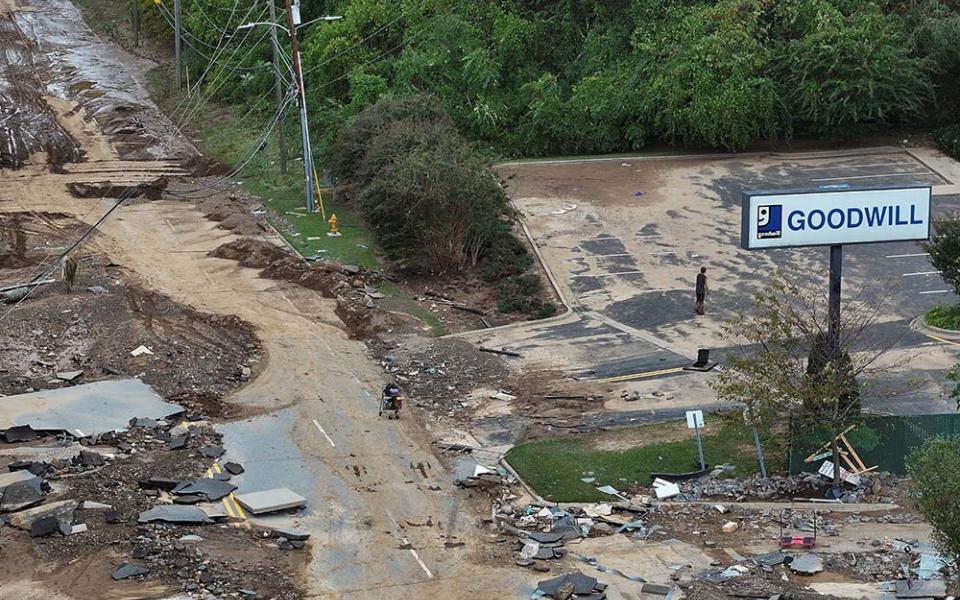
944,249
948,140
935,472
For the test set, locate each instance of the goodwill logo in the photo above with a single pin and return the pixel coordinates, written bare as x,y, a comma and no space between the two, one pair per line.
769,219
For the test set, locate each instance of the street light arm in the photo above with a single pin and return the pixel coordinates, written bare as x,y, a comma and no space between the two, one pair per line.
285,30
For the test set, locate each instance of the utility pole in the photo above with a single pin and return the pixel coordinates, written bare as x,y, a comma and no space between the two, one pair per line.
177,31
279,88
302,97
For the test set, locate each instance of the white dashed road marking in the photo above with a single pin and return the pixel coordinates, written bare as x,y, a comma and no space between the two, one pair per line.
324,433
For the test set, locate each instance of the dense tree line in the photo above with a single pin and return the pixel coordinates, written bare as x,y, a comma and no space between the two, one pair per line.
538,77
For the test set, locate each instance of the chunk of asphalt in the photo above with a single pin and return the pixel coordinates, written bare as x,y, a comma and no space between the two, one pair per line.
12,477
212,451
90,459
931,588
270,500
20,465
143,422
233,468
213,489
188,499
177,442
20,433
159,483
292,534
582,584
173,513
21,495
111,516
44,526
223,477
127,570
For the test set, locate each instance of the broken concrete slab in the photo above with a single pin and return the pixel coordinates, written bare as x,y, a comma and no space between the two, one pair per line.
8,479
21,495
69,375
85,409
929,588
62,510
140,351
127,570
143,422
177,442
91,505
44,526
173,513
213,489
68,529
21,433
274,500
807,564
190,539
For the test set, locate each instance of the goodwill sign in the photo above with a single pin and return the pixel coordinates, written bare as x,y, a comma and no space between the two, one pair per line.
826,218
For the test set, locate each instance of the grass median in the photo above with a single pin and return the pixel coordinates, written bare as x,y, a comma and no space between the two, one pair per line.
556,468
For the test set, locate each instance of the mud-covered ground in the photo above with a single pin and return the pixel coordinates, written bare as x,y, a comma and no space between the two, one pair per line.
107,314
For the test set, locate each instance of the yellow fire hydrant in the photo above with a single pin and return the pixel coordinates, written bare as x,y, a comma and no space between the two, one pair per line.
333,226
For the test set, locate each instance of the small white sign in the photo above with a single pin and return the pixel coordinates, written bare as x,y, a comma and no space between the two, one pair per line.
694,419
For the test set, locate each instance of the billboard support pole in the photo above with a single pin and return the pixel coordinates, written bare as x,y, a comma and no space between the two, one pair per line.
836,267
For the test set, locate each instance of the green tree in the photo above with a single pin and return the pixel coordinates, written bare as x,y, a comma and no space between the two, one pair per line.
851,70
944,249
935,478
783,370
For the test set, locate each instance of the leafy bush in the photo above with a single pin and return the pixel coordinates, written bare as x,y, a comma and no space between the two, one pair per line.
948,140
851,70
944,249
506,256
944,317
935,472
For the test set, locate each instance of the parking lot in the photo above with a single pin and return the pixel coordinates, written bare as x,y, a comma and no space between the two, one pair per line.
625,238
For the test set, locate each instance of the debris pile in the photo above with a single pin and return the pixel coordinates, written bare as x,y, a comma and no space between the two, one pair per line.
872,487
354,288
149,492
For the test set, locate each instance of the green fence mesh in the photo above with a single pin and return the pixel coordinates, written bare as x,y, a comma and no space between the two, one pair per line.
881,441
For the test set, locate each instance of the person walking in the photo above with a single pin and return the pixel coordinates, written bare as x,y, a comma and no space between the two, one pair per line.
701,290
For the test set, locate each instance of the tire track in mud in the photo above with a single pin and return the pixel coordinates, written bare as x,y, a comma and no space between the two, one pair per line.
28,125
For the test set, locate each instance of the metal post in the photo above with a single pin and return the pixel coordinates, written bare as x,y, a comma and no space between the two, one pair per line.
756,441
302,97
696,430
176,41
836,266
282,144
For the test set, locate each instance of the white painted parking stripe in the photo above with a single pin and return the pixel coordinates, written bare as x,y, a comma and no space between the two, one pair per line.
921,273
886,164
908,255
870,176
598,256
610,274
324,433
936,292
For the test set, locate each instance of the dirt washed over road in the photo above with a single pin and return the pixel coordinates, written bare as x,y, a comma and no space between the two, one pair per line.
385,518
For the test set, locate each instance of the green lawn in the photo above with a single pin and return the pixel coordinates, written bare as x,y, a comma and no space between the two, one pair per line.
554,468
944,317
